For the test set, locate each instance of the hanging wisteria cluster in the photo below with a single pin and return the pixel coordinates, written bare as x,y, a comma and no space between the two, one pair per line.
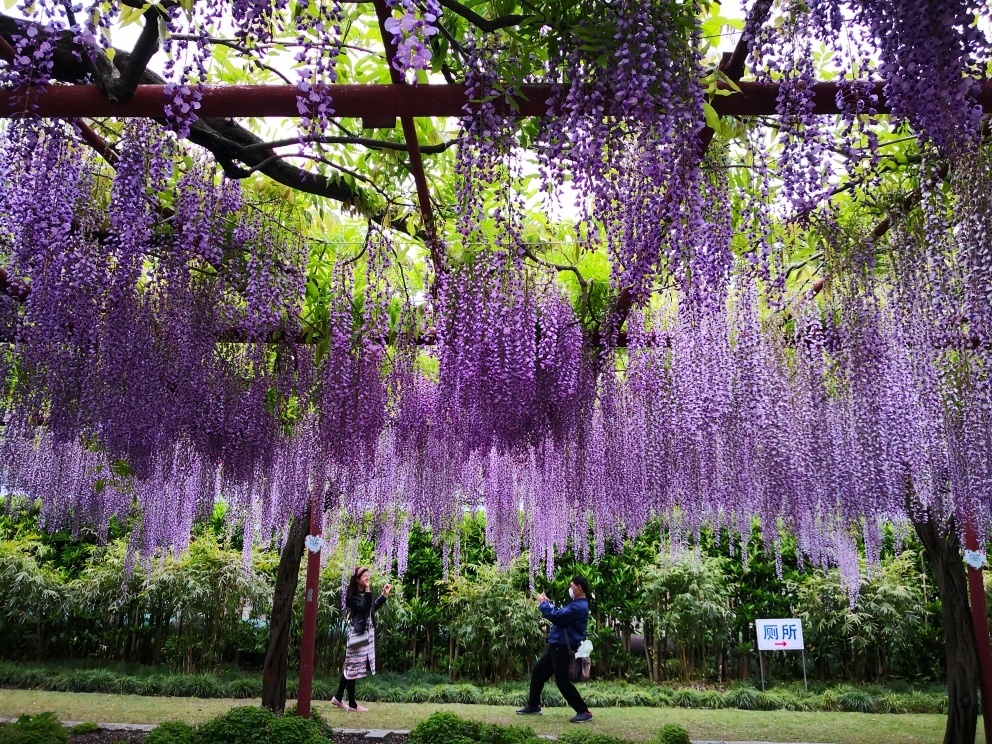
411,33
628,134
156,361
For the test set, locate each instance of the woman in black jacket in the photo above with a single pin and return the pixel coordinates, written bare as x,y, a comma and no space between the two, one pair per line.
359,658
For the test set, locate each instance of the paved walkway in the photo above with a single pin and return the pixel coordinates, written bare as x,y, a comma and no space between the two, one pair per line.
371,735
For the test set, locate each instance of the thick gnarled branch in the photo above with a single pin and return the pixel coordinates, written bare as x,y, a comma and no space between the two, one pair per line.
485,24
223,138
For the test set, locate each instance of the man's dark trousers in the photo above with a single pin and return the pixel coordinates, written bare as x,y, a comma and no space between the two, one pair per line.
554,663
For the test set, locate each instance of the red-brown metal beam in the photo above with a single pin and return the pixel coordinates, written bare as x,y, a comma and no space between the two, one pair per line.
91,138
230,101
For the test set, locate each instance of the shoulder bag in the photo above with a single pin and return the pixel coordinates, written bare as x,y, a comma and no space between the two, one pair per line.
578,669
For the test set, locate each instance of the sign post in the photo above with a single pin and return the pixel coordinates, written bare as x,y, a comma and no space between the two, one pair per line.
780,635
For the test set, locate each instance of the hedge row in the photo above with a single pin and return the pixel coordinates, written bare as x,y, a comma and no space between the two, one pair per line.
447,728
250,725
430,689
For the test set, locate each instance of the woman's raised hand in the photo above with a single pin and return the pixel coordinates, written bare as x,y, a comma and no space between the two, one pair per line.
386,590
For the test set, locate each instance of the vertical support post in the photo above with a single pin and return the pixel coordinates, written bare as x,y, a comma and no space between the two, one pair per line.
412,145
761,670
980,624
805,683
309,640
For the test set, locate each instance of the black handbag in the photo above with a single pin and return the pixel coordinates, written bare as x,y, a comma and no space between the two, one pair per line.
578,669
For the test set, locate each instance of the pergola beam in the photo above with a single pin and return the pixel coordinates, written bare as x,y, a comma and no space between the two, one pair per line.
372,101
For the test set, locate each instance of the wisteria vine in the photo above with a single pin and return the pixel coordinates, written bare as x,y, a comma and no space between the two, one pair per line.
158,360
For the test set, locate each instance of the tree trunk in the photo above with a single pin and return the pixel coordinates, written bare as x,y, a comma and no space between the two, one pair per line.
940,540
281,618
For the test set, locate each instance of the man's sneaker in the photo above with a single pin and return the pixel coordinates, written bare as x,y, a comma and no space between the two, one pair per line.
529,710
584,717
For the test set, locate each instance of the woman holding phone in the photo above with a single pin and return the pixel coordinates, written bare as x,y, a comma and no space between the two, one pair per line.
359,658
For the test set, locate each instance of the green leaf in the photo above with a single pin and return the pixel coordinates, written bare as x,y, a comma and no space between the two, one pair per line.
712,117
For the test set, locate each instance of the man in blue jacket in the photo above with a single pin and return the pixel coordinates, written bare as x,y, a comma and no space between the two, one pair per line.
568,629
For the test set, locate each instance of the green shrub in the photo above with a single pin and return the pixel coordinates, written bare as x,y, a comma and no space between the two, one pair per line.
43,728
100,680
392,694
323,689
516,697
250,725
36,679
173,685
741,697
712,699
442,728
672,733
617,695
827,702
918,702
294,730
242,687
664,697
200,685
941,703
127,685
246,725
687,699
857,700
372,688
84,728
588,737
293,686
494,734
770,701
491,696
551,698
641,697
889,703
790,700
445,728
467,694
323,727
171,732
18,676
73,680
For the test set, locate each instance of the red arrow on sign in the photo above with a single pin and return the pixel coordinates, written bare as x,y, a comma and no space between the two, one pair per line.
781,643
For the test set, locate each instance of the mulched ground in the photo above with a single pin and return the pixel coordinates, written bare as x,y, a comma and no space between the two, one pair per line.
137,737
108,737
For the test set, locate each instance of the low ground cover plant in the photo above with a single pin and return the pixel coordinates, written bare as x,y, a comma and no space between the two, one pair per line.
84,728
447,728
672,733
245,725
43,728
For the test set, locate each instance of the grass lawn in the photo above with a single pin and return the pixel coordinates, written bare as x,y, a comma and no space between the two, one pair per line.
638,724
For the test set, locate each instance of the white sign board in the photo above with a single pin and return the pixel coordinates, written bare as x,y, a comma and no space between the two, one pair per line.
779,635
